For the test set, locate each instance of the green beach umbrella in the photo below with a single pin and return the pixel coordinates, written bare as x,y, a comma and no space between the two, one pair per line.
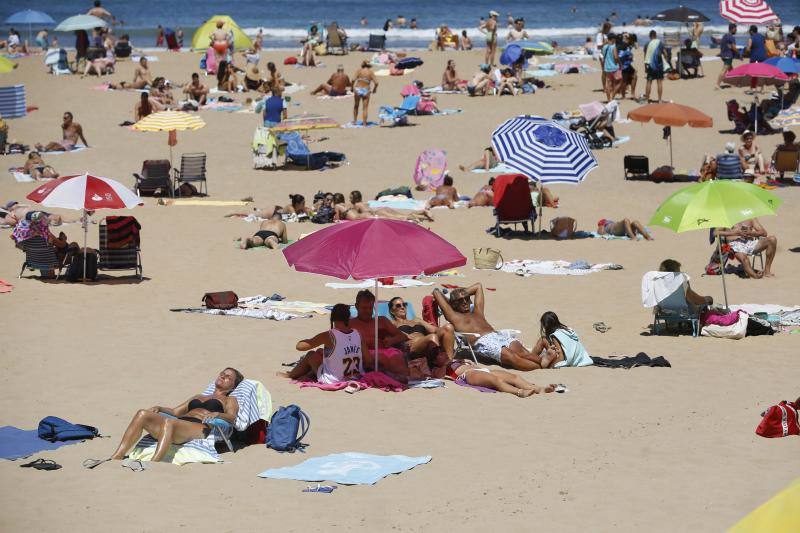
714,204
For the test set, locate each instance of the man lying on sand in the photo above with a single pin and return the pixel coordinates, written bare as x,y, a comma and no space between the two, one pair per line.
141,77
336,85
271,234
496,345
71,131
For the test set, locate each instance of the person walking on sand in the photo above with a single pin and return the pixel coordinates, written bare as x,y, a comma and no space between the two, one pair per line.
364,83
489,28
728,51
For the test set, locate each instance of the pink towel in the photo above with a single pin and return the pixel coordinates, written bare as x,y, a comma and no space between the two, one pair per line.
720,320
5,286
375,380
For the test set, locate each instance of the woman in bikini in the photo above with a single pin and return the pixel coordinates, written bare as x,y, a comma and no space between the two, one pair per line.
364,84
750,154
464,371
182,423
357,201
623,228
423,337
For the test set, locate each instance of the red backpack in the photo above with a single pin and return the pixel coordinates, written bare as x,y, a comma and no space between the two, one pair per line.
780,421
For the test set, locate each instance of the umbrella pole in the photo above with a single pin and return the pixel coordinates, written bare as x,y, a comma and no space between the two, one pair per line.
540,201
375,313
670,151
722,270
85,234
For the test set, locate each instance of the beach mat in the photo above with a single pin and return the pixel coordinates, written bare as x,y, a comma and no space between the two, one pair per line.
16,443
77,148
197,202
349,468
21,177
501,168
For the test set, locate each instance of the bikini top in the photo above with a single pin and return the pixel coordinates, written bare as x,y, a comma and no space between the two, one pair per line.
213,405
418,328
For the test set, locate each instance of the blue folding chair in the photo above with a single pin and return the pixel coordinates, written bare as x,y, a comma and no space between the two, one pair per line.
398,116
676,309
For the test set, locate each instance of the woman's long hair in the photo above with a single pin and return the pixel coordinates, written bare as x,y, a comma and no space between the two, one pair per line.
145,108
222,71
391,306
550,323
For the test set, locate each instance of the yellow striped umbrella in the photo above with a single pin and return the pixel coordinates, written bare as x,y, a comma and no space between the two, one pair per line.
6,65
171,121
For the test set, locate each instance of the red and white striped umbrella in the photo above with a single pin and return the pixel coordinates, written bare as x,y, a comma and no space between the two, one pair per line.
746,11
85,191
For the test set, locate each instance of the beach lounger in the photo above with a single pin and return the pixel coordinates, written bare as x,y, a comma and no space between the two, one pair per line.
155,176
512,202
40,255
193,170
119,244
334,41
377,43
787,161
297,153
636,167
398,116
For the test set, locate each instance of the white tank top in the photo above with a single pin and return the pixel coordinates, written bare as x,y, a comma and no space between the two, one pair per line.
344,361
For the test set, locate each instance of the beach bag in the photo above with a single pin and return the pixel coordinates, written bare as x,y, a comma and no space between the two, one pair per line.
54,429
418,369
287,427
221,300
779,421
291,60
75,268
324,215
397,191
487,258
563,227
256,433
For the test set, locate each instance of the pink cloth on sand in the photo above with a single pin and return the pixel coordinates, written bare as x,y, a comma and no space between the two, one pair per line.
720,320
5,286
374,380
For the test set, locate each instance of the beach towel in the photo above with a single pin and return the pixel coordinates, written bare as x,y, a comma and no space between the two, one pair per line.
16,443
461,381
501,168
530,267
407,203
197,202
222,106
608,237
337,97
574,352
399,283
359,124
438,90
349,468
122,232
374,380
76,148
263,314
5,286
20,176
12,101
443,112
430,168
428,383
640,359
288,306
658,286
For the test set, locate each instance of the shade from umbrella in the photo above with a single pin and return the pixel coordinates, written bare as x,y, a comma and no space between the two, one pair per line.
670,114
714,204
81,22
543,150
787,65
6,65
168,121
746,11
202,37
305,122
29,16
786,118
681,14
373,248
755,75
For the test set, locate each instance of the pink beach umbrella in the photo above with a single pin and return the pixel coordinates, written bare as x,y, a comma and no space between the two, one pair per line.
756,75
85,192
746,11
373,248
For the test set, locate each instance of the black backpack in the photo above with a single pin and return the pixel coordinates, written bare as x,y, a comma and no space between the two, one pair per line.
324,215
75,268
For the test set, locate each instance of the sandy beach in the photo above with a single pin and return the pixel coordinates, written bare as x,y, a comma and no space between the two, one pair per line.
649,449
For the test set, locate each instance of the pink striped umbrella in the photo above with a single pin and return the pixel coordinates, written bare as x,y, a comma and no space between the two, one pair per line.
86,192
373,248
746,11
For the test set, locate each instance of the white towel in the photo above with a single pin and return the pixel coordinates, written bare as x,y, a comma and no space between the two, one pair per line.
656,286
530,267
255,402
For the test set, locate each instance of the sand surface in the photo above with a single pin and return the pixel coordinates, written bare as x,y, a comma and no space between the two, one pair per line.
641,450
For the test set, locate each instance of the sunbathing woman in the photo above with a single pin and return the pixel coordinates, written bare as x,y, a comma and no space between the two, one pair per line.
484,197
182,423
423,337
560,344
623,228
36,168
364,84
270,234
226,77
341,357
297,206
464,371
488,161
361,209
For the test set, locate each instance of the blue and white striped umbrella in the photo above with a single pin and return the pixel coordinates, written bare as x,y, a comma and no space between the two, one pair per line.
543,150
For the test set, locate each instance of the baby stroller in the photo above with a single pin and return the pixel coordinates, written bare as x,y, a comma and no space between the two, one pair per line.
595,124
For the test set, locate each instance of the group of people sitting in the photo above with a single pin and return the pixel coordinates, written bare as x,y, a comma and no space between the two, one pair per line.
747,160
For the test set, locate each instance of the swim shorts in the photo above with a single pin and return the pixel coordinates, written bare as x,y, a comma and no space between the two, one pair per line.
491,345
654,74
744,246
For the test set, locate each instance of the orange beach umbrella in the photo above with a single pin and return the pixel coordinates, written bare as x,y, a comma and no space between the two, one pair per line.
670,114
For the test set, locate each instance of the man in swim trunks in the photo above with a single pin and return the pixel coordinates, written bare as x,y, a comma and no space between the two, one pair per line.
388,335
489,29
71,131
141,77
336,85
101,13
271,234
747,238
446,194
479,85
498,346
196,90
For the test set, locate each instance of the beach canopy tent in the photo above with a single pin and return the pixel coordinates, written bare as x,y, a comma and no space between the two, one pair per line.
746,11
30,17
12,101
202,37
81,22
681,14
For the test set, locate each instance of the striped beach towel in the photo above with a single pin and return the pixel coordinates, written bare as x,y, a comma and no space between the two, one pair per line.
255,403
12,101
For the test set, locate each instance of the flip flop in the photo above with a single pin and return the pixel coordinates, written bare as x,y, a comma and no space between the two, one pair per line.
94,463
353,388
327,489
601,327
135,465
561,389
42,464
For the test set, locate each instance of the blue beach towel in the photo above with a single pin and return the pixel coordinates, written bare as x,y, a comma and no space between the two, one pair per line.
350,468
16,443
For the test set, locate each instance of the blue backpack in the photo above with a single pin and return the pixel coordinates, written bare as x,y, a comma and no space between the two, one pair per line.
54,429
287,427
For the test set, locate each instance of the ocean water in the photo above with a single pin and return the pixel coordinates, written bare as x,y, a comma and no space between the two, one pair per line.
284,22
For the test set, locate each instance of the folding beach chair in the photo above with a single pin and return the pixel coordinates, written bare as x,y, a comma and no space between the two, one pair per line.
636,167
193,169
155,176
377,43
40,255
786,161
430,169
122,50
334,40
398,116
512,202
297,153
674,309
120,244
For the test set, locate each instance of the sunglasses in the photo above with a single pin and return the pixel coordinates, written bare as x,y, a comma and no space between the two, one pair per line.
399,305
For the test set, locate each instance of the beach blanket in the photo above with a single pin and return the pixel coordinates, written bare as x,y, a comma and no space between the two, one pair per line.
438,90
399,283
461,381
530,267
640,359
405,203
621,140
369,380
20,176
16,443
294,88
222,106
198,202
287,306
428,383
388,72
608,237
444,112
263,314
5,286
359,124
787,315
76,148
107,87
349,468
501,168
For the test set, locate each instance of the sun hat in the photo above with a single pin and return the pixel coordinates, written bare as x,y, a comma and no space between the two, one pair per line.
494,13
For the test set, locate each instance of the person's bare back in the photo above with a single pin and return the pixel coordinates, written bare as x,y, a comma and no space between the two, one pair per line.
339,82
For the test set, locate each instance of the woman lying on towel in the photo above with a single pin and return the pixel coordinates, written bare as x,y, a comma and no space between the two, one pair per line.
183,423
463,371
341,356
559,344
423,337
623,228
356,212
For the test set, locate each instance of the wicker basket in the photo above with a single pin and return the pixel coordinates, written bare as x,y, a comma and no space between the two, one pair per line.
487,258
